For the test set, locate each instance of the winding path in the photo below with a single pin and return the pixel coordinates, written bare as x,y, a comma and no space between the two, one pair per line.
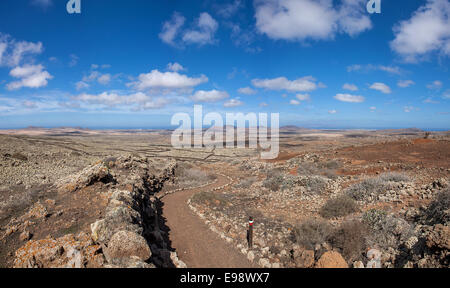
195,244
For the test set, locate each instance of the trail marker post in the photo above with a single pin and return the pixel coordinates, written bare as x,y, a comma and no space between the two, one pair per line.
250,232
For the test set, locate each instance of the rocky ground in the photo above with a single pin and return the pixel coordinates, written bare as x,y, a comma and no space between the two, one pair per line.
382,205
331,199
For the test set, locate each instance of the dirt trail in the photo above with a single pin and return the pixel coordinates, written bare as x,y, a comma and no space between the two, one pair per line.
195,244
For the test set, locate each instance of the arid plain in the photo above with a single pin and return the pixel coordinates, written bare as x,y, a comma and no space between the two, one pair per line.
126,198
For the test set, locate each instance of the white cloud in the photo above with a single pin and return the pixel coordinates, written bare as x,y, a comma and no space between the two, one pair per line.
405,83
228,10
349,98
81,85
138,100
12,52
294,102
175,67
31,76
247,91
104,79
310,19
408,109
435,85
446,94
383,88
332,112
171,29
73,60
29,104
204,31
167,80
350,87
304,84
428,30
209,96
370,67
233,103
303,97
430,100
373,109
263,104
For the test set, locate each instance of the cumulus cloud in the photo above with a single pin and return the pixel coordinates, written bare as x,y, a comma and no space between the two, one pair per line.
428,30
435,85
247,91
171,28
304,84
167,80
201,33
12,52
349,98
310,19
405,83
31,76
350,87
175,67
204,31
383,88
332,112
209,96
294,102
233,103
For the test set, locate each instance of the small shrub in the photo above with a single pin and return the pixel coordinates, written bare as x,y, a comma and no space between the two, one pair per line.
338,207
438,212
332,164
386,230
245,183
366,188
311,232
19,156
373,217
315,184
325,169
394,177
349,238
273,182
307,169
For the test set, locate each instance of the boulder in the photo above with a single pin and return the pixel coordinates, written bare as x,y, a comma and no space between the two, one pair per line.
125,244
331,259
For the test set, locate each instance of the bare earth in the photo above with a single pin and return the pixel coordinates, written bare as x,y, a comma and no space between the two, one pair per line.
196,245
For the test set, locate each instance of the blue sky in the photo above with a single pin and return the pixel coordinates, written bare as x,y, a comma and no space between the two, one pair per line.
134,63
